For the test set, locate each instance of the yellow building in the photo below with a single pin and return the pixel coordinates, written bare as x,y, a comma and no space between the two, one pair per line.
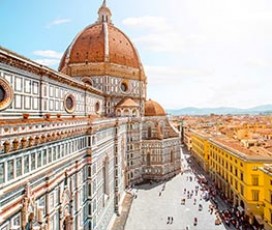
234,171
200,149
267,202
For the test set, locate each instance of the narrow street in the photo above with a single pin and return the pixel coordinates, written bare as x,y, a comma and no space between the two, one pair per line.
160,205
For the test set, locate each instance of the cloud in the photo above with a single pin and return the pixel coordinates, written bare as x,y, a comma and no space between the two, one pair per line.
58,22
161,42
47,62
158,35
173,74
147,22
48,53
47,57
258,63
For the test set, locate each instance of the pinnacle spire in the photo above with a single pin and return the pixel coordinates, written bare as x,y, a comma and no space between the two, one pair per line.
104,3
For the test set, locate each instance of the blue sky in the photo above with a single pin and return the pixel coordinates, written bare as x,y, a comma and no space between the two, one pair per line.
204,53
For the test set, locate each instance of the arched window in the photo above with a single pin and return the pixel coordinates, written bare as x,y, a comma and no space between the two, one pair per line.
126,112
134,113
89,171
118,112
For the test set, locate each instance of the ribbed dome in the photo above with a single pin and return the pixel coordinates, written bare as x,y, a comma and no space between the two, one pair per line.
90,46
153,108
102,49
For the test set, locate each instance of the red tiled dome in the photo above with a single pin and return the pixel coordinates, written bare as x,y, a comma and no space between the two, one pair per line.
102,46
153,108
89,46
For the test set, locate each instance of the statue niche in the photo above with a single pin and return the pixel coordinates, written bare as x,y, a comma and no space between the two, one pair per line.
28,210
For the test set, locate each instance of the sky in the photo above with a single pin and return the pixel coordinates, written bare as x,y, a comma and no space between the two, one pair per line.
200,53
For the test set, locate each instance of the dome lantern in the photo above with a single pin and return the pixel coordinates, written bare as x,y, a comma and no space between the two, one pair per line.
104,13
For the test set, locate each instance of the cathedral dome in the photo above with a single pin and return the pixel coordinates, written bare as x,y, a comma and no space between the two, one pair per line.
102,49
152,108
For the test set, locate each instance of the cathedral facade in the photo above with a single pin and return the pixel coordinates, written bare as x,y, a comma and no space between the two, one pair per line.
73,140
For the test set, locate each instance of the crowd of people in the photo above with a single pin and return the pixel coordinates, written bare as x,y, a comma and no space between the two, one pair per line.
229,215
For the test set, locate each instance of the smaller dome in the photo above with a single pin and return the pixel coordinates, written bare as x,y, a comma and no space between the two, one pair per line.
153,108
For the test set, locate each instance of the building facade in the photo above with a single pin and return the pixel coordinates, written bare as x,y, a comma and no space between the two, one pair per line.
236,153
72,141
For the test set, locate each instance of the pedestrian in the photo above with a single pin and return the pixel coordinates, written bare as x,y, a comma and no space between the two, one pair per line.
168,219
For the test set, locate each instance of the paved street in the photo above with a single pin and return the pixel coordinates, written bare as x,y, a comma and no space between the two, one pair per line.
156,202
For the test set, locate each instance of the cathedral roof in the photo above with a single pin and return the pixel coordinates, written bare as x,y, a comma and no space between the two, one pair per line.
102,46
152,108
